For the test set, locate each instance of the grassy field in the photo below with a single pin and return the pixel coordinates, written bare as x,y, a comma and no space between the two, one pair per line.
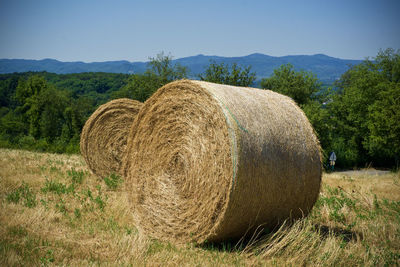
54,212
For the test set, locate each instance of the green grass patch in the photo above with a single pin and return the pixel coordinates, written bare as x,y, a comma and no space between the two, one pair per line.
23,193
112,181
76,176
57,187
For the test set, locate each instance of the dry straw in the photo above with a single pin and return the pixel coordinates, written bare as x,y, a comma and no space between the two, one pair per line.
104,136
209,162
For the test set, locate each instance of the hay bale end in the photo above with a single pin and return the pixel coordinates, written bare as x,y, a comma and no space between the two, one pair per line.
104,135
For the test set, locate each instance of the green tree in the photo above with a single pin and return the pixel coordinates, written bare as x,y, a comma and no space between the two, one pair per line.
75,116
7,90
12,126
320,117
27,93
42,106
356,91
140,87
225,74
160,72
52,104
384,124
162,67
365,111
301,86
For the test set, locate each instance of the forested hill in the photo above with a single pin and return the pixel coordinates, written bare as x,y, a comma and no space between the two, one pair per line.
46,111
327,69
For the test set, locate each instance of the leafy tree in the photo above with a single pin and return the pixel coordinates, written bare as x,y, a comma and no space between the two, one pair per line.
320,118
384,124
42,106
140,87
160,72
7,90
365,111
12,126
75,116
302,86
52,104
225,74
162,67
27,93
350,112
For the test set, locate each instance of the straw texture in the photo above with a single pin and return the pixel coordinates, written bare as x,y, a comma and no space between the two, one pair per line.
104,135
209,162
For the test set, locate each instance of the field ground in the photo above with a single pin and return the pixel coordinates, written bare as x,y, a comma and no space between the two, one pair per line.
54,212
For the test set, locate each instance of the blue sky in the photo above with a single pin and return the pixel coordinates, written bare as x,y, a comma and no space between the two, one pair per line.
101,30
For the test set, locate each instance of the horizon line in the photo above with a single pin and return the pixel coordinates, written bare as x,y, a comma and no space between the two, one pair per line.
173,58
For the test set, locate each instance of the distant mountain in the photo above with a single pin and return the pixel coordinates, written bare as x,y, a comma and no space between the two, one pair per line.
55,66
327,69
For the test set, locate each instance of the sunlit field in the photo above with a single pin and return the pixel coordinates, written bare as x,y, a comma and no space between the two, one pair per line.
55,212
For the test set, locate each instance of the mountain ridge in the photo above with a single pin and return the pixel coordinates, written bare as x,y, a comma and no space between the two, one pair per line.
327,68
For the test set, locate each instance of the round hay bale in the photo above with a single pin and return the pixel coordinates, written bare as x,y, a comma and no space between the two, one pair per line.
210,162
104,136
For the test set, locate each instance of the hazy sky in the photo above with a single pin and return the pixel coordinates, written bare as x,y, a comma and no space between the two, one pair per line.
86,30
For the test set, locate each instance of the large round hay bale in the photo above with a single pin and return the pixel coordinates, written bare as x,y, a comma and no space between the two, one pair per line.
209,162
104,136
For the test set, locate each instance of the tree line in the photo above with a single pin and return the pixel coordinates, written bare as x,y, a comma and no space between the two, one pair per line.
358,116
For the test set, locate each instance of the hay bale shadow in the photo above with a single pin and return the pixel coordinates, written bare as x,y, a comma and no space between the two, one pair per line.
346,235
252,240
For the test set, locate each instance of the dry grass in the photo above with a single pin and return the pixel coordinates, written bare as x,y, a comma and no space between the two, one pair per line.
54,212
